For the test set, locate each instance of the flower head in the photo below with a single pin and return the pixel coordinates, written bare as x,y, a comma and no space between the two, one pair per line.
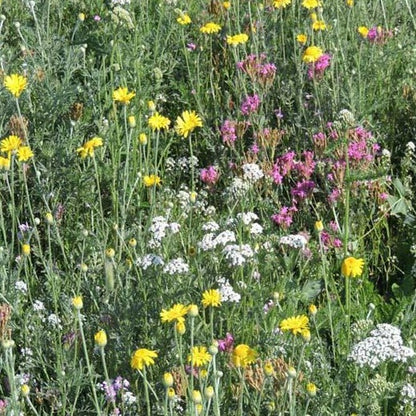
10,144
199,356
15,84
312,54
363,31
77,302
142,357
352,267
311,4
4,163
243,355
311,389
24,153
175,313
184,19
302,38
158,122
237,39
210,28
187,123
281,3
296,324
151,180
87,149
100,339
122,95
212,298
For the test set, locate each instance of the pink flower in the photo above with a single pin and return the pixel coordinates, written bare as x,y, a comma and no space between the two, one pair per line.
226,344
251,104
228,132
209,175
317,69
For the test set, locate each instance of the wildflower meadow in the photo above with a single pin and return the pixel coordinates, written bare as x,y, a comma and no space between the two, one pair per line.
207,207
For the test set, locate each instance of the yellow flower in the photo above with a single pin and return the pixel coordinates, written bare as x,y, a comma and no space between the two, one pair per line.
24,153
142,357
87,149
180,327
151,180
171,393
296,324
158,122
4,163
176,312
10,144
243,355
268,369
313,310
26,249
209,392
311,389
237,39
25,390
199,356
81,17
212,298
352,267
184,19
311,4
226,5
312,54
100,339
77,302
110,253
187,123
363,31
167,380
143,139
151,105
302,38
210,28
319,25
15,84
281,3
306,334
122,95
350,3
196,397
319,226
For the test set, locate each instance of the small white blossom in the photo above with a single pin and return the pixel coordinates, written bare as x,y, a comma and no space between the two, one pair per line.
256,228
150,260
210,226
38,306
208,242
294,240
225,237
252,172
227,292
238,255
238,188
176,266
54,321
21,286
128,398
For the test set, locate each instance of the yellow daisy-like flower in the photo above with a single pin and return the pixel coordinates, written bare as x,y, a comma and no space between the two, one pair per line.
302,38
100,339
175,313
26,249
4,163
10,144
15,84
184,19
238,39
142,357
210,28
158,122
311,4
151,180
226,4
212,298
312,54
77,302
296,324
122,95
319,25
24,153
199,356
363,31
87,149
243,355
350,3
352,267
187,123
311,389
278,4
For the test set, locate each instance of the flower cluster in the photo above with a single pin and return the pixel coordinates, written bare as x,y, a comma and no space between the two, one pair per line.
384,343
87,149
258,70
316,69
13,145
250,104
159,229
176,266
227,292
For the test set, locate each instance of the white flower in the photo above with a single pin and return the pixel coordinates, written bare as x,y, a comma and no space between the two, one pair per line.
256,228
225,237
150,260
38,306
20,286
252,172
128,398
210,226
247,217
294,241
176,266
238,188
208,242
54,321
238,255
227,292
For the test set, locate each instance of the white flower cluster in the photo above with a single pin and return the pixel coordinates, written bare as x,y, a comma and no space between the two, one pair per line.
149,260
210,226
120,2
176,266
159,228
38,306
384,343
183,164
238,188
21,286
237,255
227,292
294,241
252,172
408,394
210,241
249,218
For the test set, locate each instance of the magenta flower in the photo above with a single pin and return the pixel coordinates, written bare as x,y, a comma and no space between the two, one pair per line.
285,217
228,132
226,344
209,175
251,104
316,69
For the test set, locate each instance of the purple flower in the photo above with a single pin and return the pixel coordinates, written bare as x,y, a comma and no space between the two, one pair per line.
97,18
226,344
190,46
251,104
209,175
285,217
302,189
317,69
228,132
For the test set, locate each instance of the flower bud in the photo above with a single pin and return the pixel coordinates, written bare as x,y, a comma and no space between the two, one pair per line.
311,389
319,226
313,309
167,380
196,397
291,372
142,139
49,218
25,390
100,339
209,392
77,302
132,121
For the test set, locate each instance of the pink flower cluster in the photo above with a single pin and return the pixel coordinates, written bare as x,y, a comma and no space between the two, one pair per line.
316,70
228,132
286,163
257,69
378,35
285,216
250,104
209,175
